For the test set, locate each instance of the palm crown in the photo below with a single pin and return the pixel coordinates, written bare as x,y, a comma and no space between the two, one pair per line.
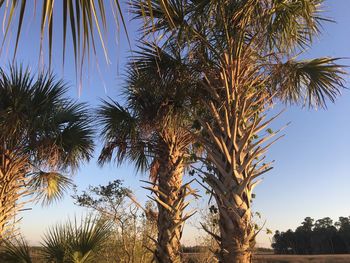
153,132
42,134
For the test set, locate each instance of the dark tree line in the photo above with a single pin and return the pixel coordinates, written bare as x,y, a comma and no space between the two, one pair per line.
315,237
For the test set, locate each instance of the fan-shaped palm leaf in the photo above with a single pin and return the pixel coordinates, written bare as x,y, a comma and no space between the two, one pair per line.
76,242
15,251
310,82
49,186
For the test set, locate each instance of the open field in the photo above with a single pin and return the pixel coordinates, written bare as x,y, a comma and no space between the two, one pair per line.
267,258
271,258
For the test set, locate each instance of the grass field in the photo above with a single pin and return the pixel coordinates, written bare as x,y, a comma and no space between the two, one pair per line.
267,258
271,258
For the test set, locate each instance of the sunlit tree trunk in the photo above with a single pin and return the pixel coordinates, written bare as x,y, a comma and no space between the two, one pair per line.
235,145
170,194
169,217
12,182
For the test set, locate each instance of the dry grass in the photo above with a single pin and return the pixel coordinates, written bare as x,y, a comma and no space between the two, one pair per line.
269,258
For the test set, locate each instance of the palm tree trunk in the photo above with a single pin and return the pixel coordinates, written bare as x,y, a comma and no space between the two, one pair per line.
236,147
236,229
12,181
170,210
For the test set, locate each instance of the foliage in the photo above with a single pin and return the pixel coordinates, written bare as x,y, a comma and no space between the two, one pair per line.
87,21
131,228
15,251
315,237
43,135
245,55
152,131
76,242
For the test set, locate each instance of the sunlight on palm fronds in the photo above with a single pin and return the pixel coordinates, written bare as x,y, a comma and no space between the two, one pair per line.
308,82
40,130
50,186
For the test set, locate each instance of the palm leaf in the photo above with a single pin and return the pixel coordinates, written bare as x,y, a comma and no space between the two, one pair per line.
309,82
55,244
92,21
49,186
16,251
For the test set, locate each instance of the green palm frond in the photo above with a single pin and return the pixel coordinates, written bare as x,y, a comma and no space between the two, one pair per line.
40,129
49,186
159,80
55,244
87,238
309,82
157,93
76,241
294,23
159,16
87,22
120,133
15,251
75,136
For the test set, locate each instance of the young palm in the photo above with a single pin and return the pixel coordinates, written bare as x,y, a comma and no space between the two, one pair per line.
76,243
155,128
42,133
72,242
246,52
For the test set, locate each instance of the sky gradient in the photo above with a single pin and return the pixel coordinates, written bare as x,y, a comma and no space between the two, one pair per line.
311,175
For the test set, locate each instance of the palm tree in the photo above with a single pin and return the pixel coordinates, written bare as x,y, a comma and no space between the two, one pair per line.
76,243
42,134
246,53
153,132
72,242
16,251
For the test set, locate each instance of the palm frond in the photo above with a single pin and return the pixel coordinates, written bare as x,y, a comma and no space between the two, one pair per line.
49,186
55,244
76,241
309,82
15,251
75,137
120,133
294,23
87,238
87,20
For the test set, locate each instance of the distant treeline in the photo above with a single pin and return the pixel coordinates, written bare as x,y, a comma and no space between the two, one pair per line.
315,237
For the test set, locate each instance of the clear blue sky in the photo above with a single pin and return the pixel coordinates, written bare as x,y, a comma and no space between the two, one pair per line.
312,169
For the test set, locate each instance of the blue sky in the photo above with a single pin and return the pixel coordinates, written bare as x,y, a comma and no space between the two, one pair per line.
312,169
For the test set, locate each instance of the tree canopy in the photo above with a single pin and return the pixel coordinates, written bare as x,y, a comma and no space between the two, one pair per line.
315,237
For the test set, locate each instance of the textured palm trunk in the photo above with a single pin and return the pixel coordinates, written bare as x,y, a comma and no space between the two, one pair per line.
169,217
170,194
236,147
236,228
12,187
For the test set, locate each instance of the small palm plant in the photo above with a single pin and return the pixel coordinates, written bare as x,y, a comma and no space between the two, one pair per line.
42,135
16,251
75,242
72,242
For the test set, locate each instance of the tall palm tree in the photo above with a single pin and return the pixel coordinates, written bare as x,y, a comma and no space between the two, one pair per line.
153,132
42,134
246,52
